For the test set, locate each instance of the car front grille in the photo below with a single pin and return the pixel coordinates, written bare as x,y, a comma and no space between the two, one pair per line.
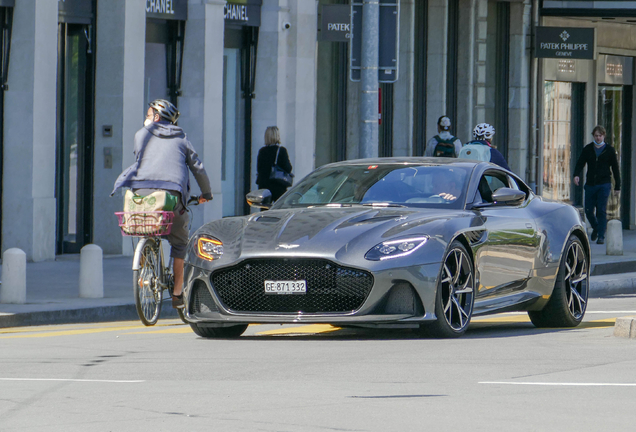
330,288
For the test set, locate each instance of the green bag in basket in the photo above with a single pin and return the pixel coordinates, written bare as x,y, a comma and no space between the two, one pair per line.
137,208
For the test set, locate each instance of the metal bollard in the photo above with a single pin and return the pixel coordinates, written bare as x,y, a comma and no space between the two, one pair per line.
13,288
614,237
91,279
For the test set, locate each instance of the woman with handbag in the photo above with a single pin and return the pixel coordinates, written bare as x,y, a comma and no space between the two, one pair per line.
272,165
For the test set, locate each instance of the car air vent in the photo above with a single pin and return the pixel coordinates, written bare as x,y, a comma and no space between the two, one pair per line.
474,236
267,219
365,219
201,299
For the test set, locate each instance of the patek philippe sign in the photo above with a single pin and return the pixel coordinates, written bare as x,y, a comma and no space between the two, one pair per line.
565,43
335,23
243,13
167,9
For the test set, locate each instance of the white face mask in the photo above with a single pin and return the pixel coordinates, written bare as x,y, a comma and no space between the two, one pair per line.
148,122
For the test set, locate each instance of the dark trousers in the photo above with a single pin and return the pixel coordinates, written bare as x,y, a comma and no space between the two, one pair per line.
596,199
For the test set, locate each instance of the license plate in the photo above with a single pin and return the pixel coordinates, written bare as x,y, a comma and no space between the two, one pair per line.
285,287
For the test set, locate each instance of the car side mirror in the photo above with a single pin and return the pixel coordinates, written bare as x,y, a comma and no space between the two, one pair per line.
506,195
261,198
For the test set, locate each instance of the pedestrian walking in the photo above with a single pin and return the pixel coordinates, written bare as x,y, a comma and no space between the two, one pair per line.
272,153
443,144
602,164
481,147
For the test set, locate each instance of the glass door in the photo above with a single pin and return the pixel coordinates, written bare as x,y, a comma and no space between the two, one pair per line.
614,110
564,117
74,138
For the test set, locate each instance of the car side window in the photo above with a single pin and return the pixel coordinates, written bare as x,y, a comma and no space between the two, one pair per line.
489,183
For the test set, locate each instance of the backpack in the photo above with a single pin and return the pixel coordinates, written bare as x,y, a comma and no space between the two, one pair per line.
475,150
444,148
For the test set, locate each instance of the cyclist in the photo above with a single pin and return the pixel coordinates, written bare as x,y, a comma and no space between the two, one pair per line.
475,149
164,156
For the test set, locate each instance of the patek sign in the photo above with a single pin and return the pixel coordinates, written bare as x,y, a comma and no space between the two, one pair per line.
335,23
167,9
565,43
243,13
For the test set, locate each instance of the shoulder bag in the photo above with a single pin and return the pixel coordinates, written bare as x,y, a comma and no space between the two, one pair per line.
279,175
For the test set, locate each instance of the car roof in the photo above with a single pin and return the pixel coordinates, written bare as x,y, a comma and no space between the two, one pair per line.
405,160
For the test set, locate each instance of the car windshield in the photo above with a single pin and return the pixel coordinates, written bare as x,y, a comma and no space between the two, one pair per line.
436,186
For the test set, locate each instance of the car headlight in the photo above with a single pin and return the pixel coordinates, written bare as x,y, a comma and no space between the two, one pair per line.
396,248
209,248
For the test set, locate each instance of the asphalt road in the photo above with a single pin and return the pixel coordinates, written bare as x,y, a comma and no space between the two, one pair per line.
503,375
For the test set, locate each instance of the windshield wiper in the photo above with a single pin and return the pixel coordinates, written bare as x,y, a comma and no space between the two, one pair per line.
382,204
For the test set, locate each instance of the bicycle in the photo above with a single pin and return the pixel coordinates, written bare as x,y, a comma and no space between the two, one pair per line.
151,276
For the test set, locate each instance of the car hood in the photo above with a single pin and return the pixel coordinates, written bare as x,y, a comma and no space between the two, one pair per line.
343,234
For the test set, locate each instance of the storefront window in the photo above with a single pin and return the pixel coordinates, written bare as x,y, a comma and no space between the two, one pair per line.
557,140
497,70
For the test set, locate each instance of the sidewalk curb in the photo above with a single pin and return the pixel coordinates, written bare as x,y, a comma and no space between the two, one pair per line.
610,285
79,316
625,327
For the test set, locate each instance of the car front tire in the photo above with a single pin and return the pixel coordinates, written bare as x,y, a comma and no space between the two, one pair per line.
455,296
218,332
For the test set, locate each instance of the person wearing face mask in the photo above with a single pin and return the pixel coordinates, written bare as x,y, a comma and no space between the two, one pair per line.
602,164
164,160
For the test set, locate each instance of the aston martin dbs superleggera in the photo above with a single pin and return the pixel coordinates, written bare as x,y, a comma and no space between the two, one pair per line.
415,243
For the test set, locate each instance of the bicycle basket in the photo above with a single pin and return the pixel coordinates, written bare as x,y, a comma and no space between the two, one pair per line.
151,223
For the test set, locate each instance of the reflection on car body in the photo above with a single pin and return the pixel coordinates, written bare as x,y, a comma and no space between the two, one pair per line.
422,243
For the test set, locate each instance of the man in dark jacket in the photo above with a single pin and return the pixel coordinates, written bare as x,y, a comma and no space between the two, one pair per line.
600,158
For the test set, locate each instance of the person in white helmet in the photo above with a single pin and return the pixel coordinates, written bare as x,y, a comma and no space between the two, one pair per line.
165,159
482,134
443,144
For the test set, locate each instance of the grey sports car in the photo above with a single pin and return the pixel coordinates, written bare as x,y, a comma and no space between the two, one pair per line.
417,243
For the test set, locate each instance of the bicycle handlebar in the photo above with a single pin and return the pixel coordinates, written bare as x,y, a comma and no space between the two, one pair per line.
194,200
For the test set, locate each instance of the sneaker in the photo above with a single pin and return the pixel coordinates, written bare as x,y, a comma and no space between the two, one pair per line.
177,301
601,240
594,235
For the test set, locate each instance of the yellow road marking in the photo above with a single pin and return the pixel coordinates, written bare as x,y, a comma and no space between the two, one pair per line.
176,327
308,329
42,332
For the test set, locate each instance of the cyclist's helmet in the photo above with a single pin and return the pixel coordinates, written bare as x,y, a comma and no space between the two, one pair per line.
165,109
484,130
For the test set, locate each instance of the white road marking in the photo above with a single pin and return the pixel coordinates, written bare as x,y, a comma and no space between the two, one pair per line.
71,380
610,312
562,384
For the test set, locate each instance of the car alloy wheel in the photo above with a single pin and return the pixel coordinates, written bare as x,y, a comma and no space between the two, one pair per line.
576,280
455,295
457,290
568,301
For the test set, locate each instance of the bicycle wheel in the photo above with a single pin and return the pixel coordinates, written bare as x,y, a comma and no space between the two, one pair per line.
147,292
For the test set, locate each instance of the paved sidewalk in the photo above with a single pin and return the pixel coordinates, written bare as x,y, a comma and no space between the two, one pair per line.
53,288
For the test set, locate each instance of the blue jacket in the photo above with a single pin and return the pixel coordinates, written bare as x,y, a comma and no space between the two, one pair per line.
495,155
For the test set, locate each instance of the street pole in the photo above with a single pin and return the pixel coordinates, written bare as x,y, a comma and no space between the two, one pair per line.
369,79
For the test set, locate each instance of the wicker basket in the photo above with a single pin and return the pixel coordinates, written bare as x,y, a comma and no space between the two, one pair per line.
152,223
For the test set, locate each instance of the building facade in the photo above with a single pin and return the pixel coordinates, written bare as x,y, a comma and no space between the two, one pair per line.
77,75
